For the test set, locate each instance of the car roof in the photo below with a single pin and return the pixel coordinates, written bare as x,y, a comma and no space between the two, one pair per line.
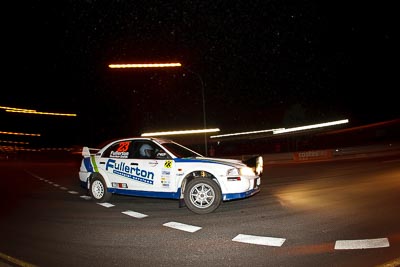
158,140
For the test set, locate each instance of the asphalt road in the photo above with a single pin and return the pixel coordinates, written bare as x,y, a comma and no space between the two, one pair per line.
334,213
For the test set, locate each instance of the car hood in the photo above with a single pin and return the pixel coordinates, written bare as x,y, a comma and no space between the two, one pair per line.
231,162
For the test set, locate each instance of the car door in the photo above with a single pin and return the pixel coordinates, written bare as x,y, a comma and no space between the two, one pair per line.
129,169
156,167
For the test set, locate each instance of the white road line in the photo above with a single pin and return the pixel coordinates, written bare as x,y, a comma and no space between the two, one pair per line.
73,192
107,205
36,176
362,243
63,188
86,197
182,226
134,214
56,185
260,240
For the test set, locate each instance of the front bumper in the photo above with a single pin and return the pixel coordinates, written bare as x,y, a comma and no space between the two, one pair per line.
252,189
227,197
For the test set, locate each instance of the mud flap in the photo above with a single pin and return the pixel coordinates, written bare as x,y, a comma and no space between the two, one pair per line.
182,203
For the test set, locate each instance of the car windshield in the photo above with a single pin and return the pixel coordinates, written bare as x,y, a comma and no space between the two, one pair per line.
181,151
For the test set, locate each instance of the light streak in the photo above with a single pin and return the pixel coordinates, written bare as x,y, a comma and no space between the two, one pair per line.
144,65
181,132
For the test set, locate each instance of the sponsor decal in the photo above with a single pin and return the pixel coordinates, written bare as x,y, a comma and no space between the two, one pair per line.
168,164
165,181
165,172
135,173
117,154
161,155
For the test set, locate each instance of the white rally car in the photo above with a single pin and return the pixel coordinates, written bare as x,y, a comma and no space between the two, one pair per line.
153,167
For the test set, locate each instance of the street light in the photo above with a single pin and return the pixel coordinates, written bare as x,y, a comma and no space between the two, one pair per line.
175,64
204,107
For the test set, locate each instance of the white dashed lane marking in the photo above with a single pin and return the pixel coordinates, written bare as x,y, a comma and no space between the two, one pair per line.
107,205
250,239
183,227
134,214
362,243
260,240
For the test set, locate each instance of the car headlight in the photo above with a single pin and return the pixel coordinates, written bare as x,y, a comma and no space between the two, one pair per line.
259,165
232,172
246,171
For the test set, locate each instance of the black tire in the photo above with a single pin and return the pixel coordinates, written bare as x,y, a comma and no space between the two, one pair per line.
202,195
98,189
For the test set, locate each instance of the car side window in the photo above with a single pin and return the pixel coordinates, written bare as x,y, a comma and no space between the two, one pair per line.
149,150
120,150
161,154
142,150
135,150
146,151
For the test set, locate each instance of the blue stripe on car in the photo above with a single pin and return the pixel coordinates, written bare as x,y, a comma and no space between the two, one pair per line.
176,195
185,160
173,195
227,197
88,164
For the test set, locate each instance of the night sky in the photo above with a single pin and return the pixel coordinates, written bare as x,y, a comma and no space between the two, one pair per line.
264,64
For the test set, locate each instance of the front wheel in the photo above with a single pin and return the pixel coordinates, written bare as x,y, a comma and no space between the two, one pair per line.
202,195
98,190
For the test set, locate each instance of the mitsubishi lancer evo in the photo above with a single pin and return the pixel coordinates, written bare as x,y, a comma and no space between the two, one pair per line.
160,168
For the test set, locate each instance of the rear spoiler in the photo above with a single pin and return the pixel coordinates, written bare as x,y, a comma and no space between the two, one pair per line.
87,152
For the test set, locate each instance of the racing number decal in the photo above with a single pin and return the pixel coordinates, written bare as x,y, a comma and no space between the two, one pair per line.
122,150
168,164
123,147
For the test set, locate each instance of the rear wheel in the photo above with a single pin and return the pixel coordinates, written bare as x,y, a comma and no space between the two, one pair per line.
98,189
202,195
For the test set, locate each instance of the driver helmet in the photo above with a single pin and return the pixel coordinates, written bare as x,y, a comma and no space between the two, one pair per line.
146,151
